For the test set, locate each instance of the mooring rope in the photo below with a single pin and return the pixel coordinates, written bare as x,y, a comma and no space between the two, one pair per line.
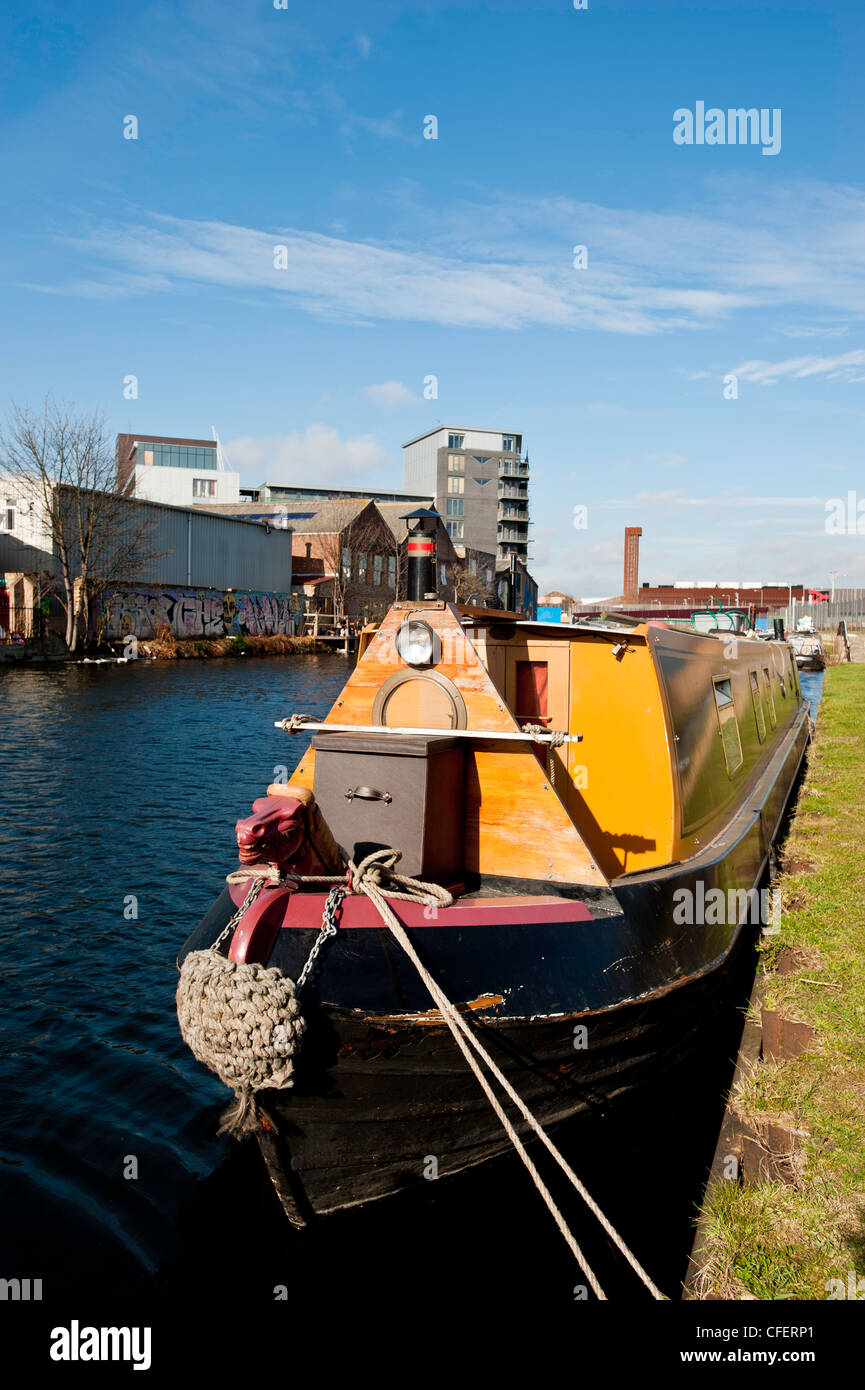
371,877
555,739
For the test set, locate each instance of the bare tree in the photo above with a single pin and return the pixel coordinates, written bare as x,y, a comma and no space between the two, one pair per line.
63,464
331,546
366,534
469,588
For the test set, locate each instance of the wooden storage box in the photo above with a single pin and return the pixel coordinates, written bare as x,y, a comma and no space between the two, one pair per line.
395,791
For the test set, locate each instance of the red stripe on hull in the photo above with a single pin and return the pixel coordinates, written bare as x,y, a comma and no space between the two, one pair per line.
276,909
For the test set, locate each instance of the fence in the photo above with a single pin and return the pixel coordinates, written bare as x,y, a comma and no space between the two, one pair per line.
848,606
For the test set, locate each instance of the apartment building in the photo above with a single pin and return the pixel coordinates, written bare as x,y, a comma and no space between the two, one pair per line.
479,479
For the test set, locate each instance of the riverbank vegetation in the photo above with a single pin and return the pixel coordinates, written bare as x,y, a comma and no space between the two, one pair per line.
802,1236
166,647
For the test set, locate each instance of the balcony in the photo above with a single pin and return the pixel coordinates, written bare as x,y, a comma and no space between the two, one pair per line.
507,548
513,467
512,511
514,532
516,492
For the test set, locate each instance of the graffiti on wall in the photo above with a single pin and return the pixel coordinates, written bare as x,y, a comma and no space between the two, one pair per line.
193,612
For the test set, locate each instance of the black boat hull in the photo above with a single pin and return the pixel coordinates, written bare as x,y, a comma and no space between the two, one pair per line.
575,1012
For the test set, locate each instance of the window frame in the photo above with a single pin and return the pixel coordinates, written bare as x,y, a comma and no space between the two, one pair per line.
756,701
773,715
726,713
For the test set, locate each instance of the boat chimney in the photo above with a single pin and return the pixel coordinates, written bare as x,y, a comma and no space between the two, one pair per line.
421,576
778,625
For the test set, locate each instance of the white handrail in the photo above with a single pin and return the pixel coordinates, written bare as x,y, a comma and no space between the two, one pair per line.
548,736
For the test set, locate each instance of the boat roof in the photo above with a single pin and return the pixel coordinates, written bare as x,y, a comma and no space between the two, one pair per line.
570,629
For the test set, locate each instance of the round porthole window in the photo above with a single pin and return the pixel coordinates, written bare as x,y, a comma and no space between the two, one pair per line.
419,700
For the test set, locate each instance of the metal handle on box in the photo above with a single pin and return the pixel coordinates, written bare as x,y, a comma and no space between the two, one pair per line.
367,794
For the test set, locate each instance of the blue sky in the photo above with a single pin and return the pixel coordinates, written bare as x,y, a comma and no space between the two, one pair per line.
408,257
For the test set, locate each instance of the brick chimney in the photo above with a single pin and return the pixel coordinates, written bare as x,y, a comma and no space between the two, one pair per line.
631,585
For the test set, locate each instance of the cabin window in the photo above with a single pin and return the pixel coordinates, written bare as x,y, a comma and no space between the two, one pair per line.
757,702
770,698
728,724
532,680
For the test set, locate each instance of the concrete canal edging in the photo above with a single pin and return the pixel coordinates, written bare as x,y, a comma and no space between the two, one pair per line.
783,1214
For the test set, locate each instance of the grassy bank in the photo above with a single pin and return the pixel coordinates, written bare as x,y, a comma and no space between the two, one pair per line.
787,1239
166,647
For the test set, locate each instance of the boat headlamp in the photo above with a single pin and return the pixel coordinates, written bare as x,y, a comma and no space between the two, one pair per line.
417,644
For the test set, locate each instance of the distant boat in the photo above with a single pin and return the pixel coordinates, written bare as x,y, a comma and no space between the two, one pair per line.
578,942
808,650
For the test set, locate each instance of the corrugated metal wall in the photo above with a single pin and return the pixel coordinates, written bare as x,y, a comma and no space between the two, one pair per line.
189,547
216,552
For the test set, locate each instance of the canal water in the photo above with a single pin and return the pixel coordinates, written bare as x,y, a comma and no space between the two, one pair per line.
118,797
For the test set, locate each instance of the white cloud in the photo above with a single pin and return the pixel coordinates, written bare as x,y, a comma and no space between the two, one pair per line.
388,127
363,45
361,281
314,455
840,368
814,331
391,393
607,552
506,262
670,459
650,498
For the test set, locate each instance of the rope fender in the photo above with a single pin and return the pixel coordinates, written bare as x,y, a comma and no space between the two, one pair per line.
244,1023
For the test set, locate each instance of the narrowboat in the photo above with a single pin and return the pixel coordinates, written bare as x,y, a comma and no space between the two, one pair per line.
581,792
